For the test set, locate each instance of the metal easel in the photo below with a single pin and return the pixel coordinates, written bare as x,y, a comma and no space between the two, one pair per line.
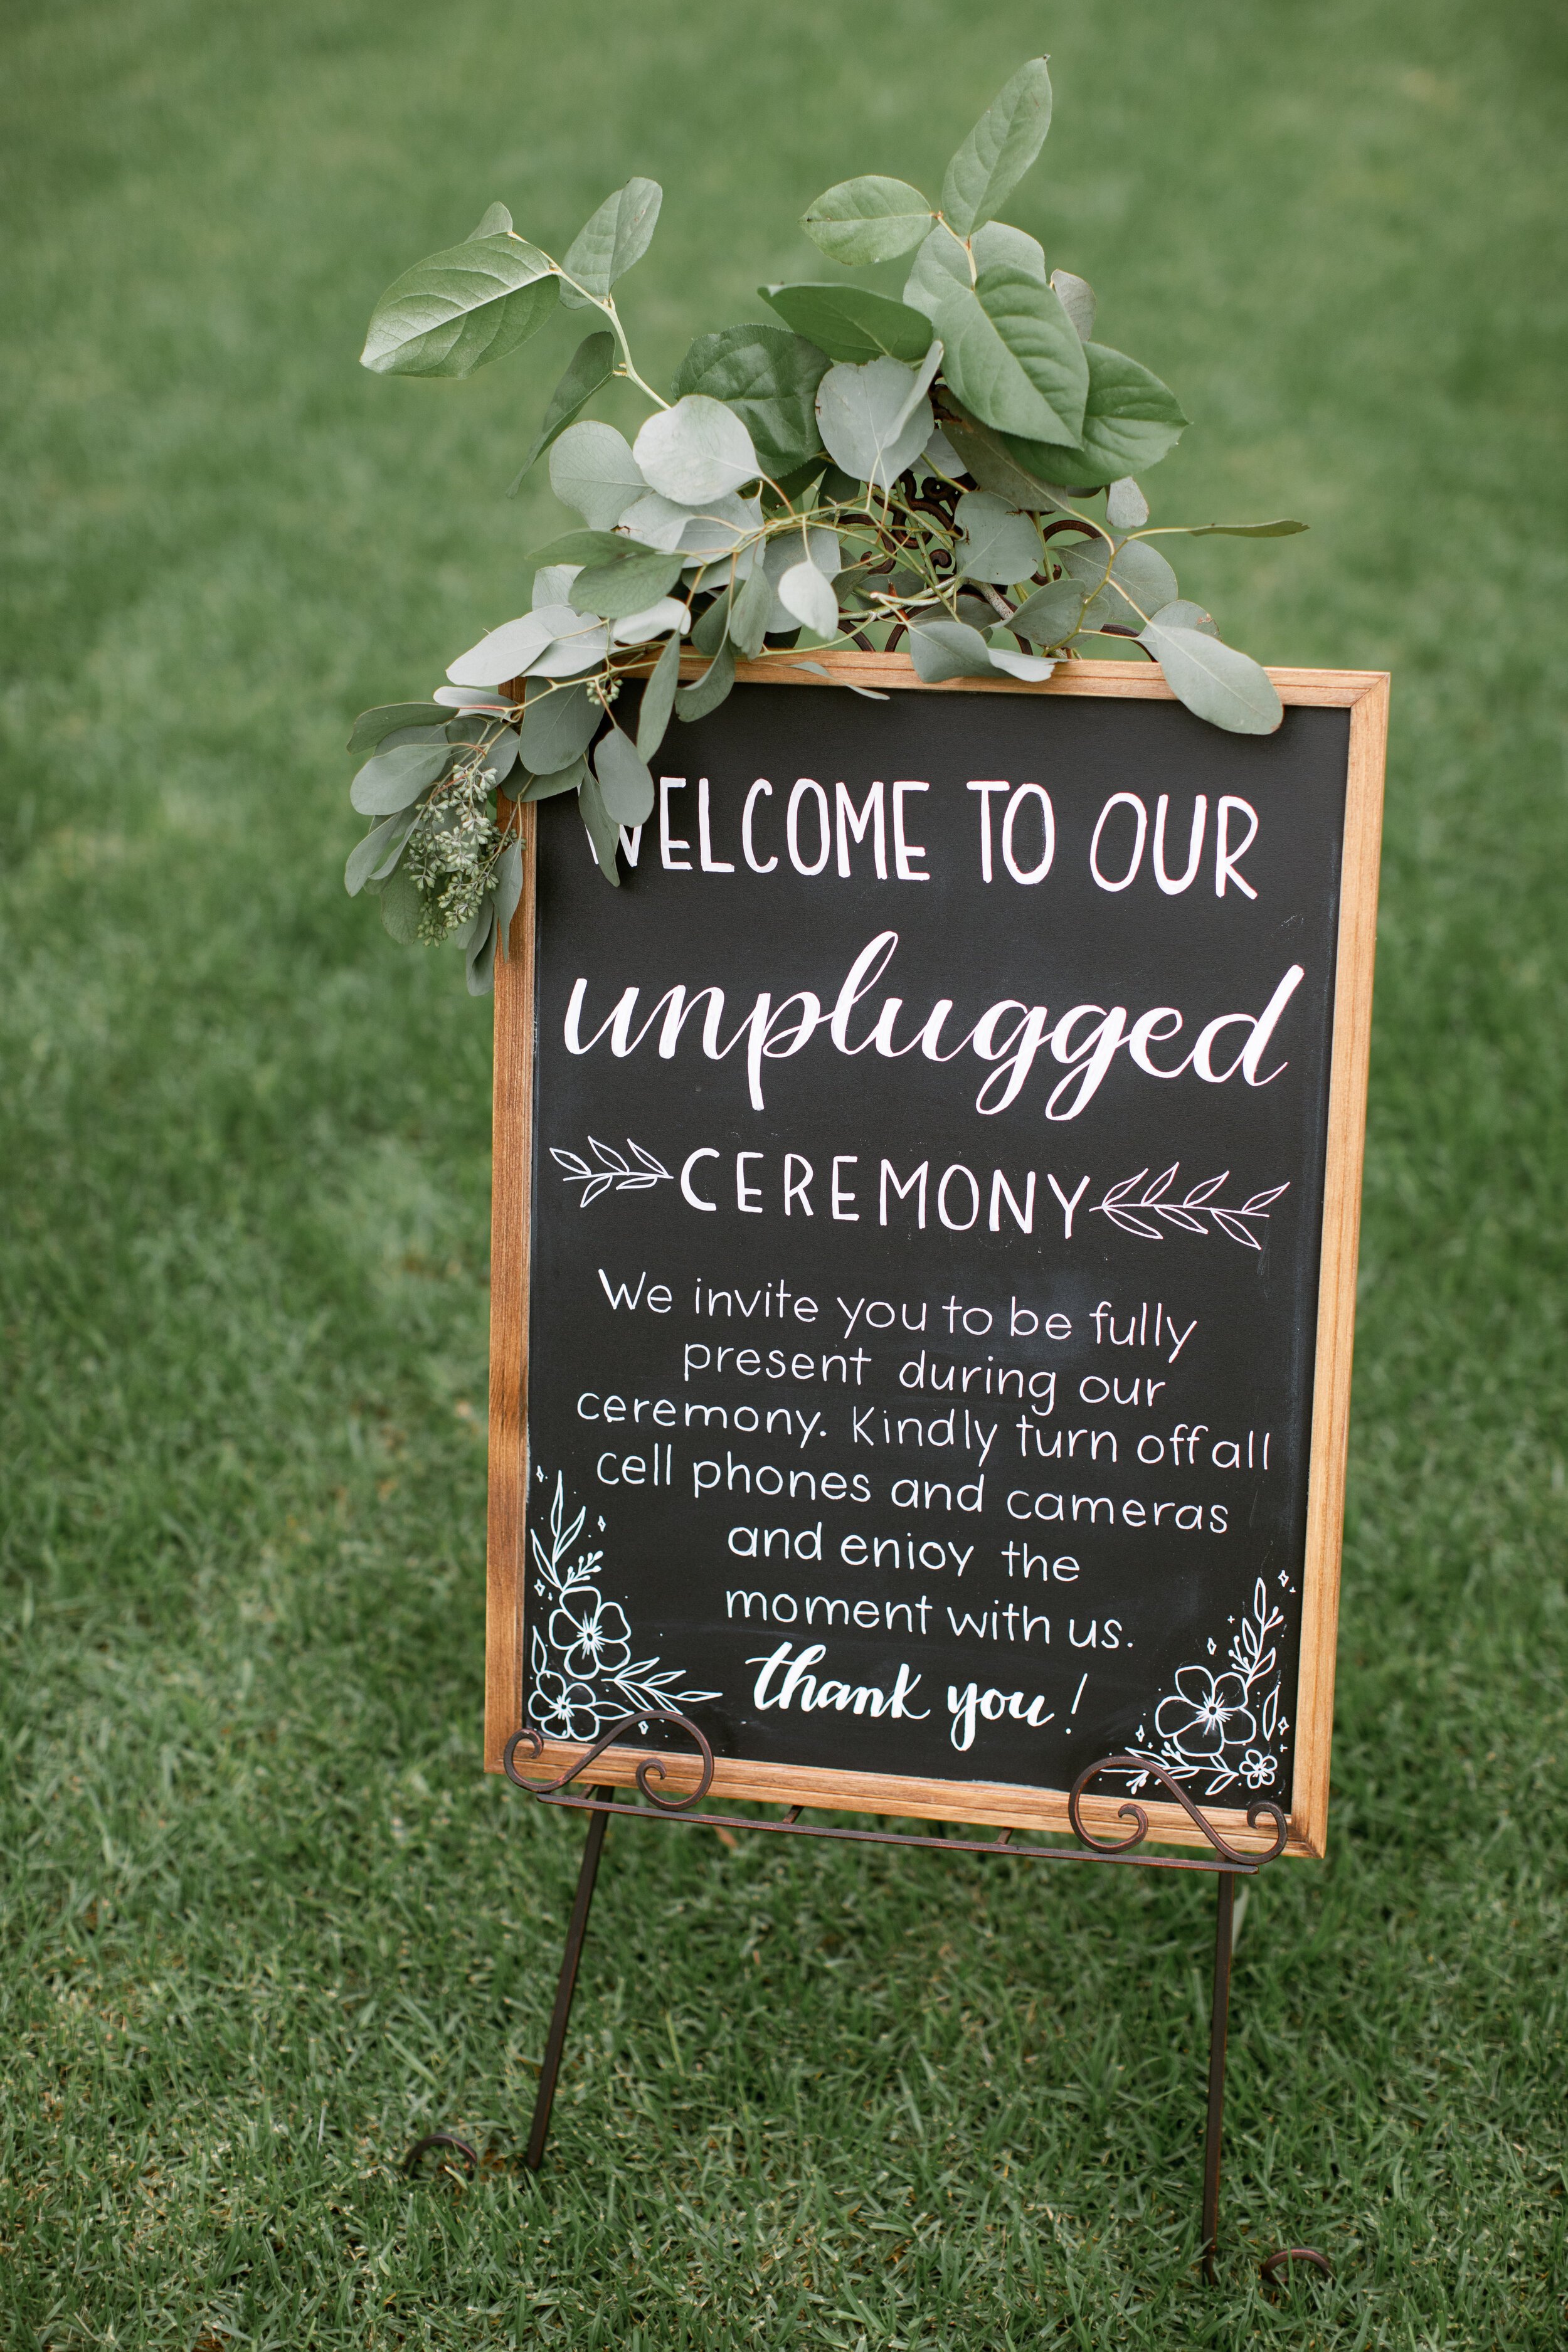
1224,1863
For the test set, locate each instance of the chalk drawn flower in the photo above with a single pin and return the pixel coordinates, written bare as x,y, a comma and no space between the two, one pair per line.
1206,1714
1258,1768
591,1636
567,1709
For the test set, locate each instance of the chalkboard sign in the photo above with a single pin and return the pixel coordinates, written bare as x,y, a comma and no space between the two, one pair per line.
925,1222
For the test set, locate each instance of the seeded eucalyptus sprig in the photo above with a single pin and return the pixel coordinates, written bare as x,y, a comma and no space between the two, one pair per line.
925,472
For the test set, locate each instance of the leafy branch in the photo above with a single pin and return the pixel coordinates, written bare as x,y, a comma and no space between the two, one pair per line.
953,471
1135,1215
613,1170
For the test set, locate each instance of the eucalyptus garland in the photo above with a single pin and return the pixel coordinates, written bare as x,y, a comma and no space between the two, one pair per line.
952,472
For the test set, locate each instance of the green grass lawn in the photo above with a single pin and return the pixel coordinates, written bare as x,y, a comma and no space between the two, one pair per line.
264,1920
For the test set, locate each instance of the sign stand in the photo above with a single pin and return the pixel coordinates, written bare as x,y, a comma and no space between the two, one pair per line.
1224,1863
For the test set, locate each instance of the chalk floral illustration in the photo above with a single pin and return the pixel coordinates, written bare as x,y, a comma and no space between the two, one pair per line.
582,1670
1134,1212
1223,1724
1205,1715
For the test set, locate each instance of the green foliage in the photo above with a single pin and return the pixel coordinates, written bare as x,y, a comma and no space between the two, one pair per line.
953,419
265,1921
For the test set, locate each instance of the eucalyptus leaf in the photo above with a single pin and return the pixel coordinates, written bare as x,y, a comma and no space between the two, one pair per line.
768,377
603,831
1030,668
707,692
480,951
577,547
1284,530
561,779
988,456
940,453
510,650
803,591
1012,355
1051,615
668,617
874,419
867,219
558,725
401,904
509,891
495,221
473,698
1076,299
1182,614
851,323
998,543
1126,508
1226,688
593,471
501,756
709,633
658,699
749,612
626,786
1130,420
999,149
944,649
814,545
380,850
697,451
593,364
633,584
552,585
453,312
617,236
393,779
372,726
943,257
1136,567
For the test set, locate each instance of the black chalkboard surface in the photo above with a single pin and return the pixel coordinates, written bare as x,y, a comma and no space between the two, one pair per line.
927,1322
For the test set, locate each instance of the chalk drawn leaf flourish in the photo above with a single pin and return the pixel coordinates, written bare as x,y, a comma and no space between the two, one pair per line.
615,1173
1134,1213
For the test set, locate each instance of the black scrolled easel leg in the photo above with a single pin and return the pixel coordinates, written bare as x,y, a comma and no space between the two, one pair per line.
1219,2024
566,1985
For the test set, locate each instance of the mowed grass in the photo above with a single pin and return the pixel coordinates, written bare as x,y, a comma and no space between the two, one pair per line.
264,1919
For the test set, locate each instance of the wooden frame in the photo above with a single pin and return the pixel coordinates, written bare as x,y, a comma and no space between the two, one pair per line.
1364,694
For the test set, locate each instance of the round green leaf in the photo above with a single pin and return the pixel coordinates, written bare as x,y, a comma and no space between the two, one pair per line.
869,219
998,542
558,724
593,471
453,312
695,451
372,726
624,783
393,779
616,591
769,377
1051,615
805,593
944,649
874,419
401,904
1214,680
